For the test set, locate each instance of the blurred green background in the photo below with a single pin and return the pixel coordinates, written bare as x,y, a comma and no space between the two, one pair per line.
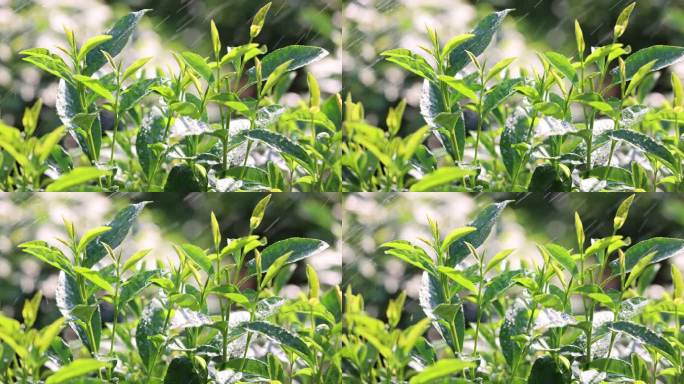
370,220
177,25
374,26
168,219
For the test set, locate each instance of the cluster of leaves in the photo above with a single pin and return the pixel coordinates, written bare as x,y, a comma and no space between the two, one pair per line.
579,124
214,124
579,316
211,316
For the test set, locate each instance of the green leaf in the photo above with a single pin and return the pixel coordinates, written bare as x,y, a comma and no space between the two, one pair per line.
643,142
134,67
120,225
151,131
621,214
90,236
441,369
459,86
199,64
483,34
545,370
258,212
638,268
121,33
258,21
664,56
645,336
410,61
484,222
198,255
499,93
71,113
76,177
300,55
95,278
663,247
622,21
459,277
91,43
431,103
48,255
498,258
182,371
431,297
562,256
441,177
515,132
499,284
280,143
563,65
134,285
182,179
455,235
410,254
280,336
515,324
133,260
78,368
69,300
300,248
151,323
134,93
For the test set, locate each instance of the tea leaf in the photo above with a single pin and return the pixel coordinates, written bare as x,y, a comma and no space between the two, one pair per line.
121,33
258,213
133,260
410,254
182,371
662,247
644,335
441,369
258,21
91,44
199,64
514,324
94,277
300,248
120,225
410,61
76,177
280,336
622,20
133,286
483,34
298,55
546,370
280,143
48,255
76,369
664,56
182,179
484,222
440,177
621,214
198,255
151,131
563,65
458,277
151,323
499,284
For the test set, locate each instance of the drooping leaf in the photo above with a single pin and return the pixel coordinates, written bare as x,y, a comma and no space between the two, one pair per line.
410,61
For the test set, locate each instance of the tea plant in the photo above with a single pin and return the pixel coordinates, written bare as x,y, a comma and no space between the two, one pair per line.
207,315
212,124
580,315
582,123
